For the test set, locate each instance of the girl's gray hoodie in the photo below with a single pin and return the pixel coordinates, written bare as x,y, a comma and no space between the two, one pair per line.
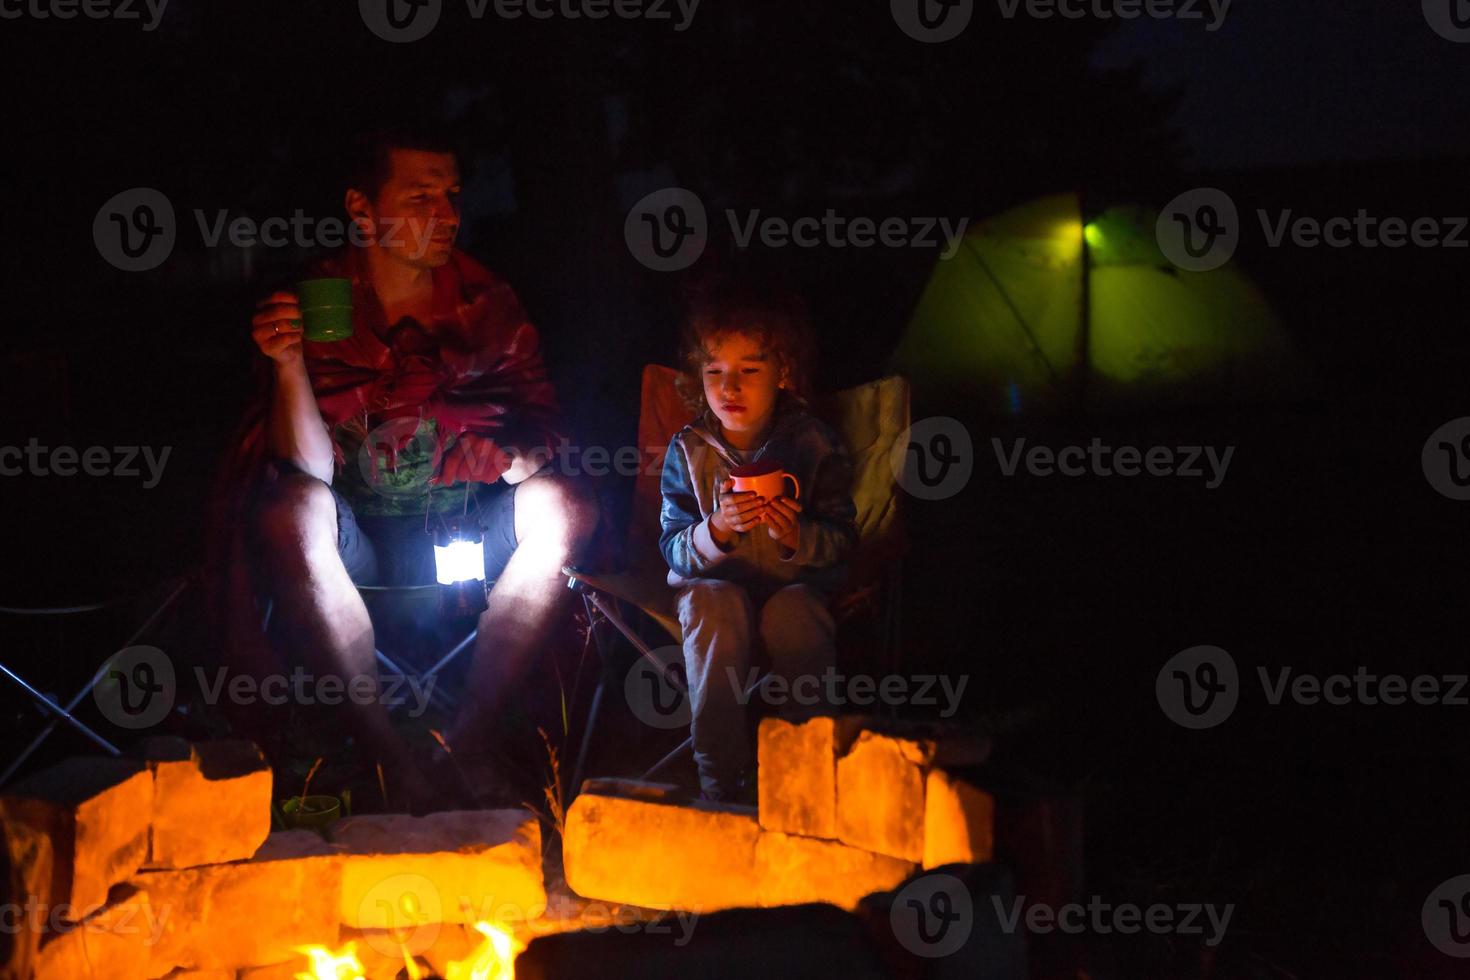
697,463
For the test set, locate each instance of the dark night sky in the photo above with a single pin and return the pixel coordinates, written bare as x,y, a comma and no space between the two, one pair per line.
1289,82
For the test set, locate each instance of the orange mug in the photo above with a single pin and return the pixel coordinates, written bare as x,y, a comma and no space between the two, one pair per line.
765,479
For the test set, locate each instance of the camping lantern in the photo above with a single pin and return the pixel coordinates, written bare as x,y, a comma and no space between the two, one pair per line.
459,565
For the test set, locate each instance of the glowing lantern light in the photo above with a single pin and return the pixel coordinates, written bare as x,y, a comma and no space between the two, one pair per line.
459,565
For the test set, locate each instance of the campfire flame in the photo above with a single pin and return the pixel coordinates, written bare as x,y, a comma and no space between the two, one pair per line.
495,959
327,965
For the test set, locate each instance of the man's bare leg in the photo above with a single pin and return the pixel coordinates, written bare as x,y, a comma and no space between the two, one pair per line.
555,519
326,618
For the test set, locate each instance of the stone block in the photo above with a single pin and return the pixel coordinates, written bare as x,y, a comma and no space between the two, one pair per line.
114,943
401,872
798,777
231,916
959,822
77,829
798,870
699,857
880,794
211,802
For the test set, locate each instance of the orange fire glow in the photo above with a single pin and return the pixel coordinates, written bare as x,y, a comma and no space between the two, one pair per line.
326,965
493,959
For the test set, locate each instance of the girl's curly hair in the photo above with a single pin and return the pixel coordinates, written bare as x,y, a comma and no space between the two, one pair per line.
777,319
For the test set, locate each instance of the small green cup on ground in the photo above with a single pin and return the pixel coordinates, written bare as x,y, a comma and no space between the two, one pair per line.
311,812
326,309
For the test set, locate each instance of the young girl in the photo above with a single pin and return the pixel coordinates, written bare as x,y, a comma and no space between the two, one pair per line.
751,570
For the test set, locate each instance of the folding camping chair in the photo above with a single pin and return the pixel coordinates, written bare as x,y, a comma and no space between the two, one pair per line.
872,419
59,713
399,611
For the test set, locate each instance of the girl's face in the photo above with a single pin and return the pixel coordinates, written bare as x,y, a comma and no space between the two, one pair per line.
741,384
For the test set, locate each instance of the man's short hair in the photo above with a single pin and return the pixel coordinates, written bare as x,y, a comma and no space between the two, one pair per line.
371,164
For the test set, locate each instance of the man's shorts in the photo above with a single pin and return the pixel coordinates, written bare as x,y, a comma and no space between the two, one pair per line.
398,551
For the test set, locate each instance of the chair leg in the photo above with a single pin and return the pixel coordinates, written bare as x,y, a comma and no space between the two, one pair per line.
688,744
595,711
434,693
580,769
685,746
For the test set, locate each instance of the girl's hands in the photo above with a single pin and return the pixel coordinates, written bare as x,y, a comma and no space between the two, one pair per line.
737,513
782,517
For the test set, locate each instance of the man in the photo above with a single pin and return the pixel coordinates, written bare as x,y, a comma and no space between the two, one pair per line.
437,405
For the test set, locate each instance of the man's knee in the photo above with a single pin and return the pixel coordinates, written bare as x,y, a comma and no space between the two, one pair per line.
295,513
556,507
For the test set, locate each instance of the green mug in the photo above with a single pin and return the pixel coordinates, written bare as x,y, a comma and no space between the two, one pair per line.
326,309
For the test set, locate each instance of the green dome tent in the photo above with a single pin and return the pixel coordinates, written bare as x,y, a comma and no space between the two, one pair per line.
1039,312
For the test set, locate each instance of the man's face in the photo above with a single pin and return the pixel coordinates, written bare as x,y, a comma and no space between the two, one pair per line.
415,217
